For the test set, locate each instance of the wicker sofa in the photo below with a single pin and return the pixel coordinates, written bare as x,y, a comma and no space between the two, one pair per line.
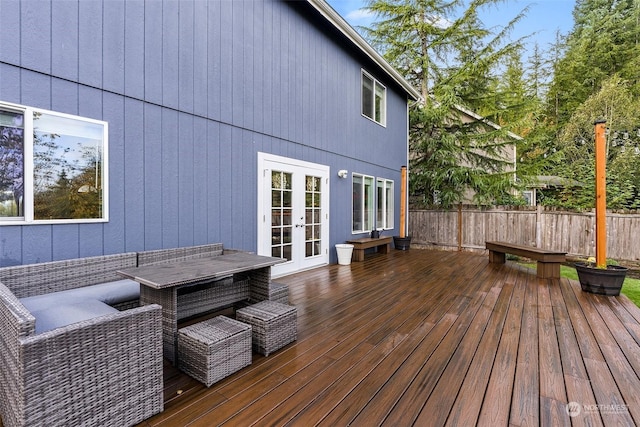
95,362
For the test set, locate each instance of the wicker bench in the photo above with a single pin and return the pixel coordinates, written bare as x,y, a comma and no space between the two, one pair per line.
359,245
214,349
70,358
548,266
273,325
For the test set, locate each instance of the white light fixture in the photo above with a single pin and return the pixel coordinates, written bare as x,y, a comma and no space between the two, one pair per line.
342,173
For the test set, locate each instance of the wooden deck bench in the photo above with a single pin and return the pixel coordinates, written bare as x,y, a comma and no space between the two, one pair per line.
549,262
359,245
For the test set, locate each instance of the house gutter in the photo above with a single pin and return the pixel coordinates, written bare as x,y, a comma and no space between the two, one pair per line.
348,31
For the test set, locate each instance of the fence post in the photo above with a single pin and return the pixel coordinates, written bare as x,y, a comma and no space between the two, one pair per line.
539,226
459,227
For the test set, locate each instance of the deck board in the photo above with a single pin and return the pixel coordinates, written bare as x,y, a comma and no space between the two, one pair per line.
497,402
525,398
466,408
552,387
424,337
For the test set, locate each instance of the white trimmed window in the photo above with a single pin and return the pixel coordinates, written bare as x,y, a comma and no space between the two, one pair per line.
374,99
53,167
362,203
384,208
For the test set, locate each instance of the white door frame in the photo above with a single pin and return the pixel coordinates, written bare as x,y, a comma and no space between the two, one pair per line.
266,163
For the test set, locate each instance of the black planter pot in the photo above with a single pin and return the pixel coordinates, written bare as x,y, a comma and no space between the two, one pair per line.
602,281
402,243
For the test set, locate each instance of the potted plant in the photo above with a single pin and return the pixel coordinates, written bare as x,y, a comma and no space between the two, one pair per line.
605,280
597,276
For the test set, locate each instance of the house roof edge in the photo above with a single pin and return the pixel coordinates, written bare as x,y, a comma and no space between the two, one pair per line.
338,21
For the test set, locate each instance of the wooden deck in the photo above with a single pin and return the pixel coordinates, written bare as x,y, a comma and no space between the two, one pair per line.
432,338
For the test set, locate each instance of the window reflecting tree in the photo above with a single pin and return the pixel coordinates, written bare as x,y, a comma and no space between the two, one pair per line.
11,164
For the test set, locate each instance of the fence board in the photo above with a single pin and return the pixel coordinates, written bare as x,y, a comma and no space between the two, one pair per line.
572,232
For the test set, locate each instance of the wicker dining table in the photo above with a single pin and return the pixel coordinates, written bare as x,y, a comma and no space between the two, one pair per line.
160,284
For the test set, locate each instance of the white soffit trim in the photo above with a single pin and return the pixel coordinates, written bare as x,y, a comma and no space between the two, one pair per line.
337,21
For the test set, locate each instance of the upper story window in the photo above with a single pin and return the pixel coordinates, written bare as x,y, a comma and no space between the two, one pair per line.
374,99
53,167
384,207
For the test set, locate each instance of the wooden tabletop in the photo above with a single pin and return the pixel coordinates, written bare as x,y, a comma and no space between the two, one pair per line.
178,273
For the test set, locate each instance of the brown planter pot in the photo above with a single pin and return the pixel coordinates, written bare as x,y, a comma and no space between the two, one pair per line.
402,243
602,281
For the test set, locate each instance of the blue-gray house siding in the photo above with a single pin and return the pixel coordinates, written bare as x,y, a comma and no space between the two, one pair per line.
192,91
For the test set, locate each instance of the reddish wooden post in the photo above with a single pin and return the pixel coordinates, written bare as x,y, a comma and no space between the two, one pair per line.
403,201
601,195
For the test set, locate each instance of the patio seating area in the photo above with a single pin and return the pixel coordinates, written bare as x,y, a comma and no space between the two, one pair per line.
78,349
431,338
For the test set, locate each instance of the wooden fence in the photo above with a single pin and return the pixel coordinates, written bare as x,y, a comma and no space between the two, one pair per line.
468,227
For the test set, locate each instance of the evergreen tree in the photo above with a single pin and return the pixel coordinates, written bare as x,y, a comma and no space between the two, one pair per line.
538,153
539,74
513,103
604,41
453,60
596,76
615,103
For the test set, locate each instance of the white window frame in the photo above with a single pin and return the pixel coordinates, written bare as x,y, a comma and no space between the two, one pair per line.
366,215
28,158
530,197
385,217
375,86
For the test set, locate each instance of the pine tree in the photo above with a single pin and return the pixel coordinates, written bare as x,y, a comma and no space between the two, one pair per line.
453,60
596,76
615,103
605,41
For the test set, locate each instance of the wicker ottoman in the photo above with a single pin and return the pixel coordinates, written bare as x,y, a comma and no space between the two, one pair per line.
273,325
213,349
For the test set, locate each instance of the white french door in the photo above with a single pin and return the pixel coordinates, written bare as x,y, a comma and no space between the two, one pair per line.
293,212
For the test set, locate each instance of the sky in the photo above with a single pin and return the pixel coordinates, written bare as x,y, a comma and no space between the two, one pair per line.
542,20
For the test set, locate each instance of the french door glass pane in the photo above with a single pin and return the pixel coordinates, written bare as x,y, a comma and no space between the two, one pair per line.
313,187
281,221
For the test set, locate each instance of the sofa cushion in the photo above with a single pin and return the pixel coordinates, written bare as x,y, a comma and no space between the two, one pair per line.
110,293
70,312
